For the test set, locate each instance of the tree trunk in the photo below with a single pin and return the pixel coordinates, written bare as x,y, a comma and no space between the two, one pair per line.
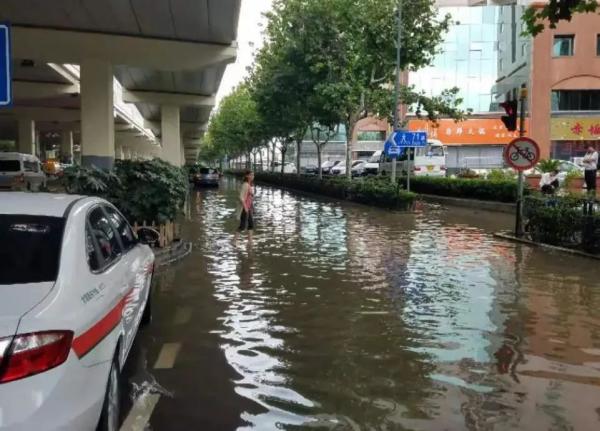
254,157
298,151
319,150
261,160
283,151
273,157
349,134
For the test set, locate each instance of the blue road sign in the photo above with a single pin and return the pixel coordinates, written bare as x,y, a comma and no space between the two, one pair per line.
401,139
5,75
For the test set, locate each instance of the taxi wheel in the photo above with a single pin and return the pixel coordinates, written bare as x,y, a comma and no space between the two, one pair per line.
111,409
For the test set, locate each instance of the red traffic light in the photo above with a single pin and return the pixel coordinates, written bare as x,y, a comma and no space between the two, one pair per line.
510,119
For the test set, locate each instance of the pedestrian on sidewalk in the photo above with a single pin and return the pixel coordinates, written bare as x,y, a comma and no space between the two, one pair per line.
246,198
590,164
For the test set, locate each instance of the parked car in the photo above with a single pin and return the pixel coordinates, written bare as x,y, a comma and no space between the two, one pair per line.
310,170
339,169
207,177
328,165
358,168
21,172
288,168
74,287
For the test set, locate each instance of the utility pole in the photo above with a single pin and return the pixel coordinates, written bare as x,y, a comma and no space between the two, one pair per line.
397,86
519,221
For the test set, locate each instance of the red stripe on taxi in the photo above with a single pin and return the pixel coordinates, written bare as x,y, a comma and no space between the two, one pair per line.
85,342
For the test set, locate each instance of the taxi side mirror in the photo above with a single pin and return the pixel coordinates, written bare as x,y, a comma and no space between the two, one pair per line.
148,236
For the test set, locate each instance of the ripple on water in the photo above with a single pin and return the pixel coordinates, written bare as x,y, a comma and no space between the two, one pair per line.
344,317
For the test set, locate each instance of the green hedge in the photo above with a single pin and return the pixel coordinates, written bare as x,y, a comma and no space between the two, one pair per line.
562,221
149,191
501,190
367,191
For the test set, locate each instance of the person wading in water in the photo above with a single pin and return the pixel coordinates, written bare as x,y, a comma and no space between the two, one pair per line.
246,198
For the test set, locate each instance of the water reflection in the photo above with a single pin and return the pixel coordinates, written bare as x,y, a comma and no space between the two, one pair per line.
339,316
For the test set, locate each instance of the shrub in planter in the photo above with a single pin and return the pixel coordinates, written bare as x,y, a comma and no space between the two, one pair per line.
152,190
555,221
370,191
503,190
149,191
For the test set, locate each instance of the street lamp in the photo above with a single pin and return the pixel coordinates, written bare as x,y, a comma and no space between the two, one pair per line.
397,86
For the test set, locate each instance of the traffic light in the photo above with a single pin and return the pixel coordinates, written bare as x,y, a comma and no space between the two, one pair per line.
510,119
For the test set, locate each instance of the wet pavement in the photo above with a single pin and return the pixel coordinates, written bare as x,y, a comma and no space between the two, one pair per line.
337,316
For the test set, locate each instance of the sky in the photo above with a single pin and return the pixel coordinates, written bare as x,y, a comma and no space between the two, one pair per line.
250,38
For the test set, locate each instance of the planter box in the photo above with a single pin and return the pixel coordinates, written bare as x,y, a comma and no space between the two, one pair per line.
533,181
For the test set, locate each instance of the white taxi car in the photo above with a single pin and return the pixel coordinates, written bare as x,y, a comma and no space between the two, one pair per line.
74,287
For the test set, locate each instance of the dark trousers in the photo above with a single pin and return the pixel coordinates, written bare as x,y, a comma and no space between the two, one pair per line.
590,179
246,220
549,189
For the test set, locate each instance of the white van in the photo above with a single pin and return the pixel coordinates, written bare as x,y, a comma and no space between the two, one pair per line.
428,161
21,172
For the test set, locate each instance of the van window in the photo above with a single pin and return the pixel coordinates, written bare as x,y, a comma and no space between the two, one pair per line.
10,166
431,151
375,157
29,248
204,171
31,166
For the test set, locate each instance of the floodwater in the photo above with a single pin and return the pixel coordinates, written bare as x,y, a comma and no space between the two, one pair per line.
337,316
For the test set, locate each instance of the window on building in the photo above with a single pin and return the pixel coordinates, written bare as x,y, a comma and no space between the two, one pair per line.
598,44
576,100
501,65
563,46
524,50
501,27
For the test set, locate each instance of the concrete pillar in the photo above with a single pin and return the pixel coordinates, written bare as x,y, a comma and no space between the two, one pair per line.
171,134
26,141
97,118
66,146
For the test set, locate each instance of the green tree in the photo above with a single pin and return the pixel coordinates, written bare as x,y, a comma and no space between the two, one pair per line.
536,17
349,48
236,128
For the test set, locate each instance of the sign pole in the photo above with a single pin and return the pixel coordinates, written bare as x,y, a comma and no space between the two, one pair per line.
519,217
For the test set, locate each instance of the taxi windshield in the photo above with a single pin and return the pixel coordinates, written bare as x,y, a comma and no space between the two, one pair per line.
29,248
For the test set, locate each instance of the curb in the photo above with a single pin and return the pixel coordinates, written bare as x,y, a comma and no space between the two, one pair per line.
174,253
510,237
502,207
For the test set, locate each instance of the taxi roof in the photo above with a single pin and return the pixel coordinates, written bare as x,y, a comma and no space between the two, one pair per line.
42,204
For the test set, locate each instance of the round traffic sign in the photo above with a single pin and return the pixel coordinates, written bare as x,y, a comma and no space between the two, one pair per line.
522,153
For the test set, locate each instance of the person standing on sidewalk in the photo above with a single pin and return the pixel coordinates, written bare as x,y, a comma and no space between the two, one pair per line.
590,164
246,199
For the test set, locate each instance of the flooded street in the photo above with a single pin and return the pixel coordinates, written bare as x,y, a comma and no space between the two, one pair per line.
338,316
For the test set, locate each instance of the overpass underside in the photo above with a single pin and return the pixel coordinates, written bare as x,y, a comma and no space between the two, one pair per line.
116,79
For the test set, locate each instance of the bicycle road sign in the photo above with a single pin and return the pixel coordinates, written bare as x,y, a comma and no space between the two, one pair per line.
522,153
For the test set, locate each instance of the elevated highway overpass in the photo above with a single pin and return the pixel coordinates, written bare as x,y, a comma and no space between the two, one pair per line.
121,78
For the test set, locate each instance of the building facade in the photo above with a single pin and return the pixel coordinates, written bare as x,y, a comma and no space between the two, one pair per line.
467,58
561,68
565,87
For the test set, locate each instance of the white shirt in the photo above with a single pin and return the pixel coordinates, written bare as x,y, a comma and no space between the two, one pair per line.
590,161
547,179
